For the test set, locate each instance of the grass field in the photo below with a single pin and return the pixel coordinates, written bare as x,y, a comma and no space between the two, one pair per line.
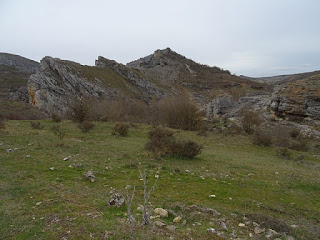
39,203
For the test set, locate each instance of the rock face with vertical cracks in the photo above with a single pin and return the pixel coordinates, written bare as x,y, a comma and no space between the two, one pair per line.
59,82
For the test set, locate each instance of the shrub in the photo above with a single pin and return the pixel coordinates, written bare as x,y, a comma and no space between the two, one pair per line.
121,129
300,144
79,110
2,124
184,148
55,118
261,138
36,125
283,153
267,221
162,142
60,133
180,113
249,120
160,139
294,133
86,126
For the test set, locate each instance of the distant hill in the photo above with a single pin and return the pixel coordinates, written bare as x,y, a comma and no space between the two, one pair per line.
14,75
281,78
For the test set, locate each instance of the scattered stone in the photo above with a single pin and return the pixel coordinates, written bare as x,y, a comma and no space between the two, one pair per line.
258,230
223,225
52,168
117,200
91,175
66,158
28,156
241,225
78,165
289,238
154,217
184,222
162,212
211,211
171,228
270,234
10,150
38,203
276,173
177,219
251,235
211,230
212,196
159,223
294,226
187,171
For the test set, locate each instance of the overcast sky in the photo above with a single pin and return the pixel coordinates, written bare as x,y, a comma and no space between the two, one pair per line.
249,37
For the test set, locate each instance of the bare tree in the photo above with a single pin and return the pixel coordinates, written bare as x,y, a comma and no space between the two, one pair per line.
146,195
131,218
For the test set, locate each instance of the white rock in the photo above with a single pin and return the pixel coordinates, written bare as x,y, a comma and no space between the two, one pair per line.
212,196
241,225
177,219
159,223
162,212
38,203
52,168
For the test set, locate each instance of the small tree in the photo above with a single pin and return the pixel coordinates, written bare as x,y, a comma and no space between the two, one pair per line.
128,201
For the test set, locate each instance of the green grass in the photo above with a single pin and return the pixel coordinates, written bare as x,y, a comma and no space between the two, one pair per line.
73,207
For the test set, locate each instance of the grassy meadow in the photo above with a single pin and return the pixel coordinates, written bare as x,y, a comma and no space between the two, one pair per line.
43,196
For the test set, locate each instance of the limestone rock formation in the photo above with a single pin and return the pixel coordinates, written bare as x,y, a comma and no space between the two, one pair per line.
297,99
57,81
18,62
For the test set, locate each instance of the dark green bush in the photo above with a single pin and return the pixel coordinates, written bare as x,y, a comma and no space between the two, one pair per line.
184,148
162,143
121,129
86,126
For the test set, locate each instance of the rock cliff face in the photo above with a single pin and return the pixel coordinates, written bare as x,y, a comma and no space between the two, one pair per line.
297,99
58,82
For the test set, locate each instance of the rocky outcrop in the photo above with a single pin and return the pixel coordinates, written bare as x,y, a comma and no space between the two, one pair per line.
53,86
297,99
18,62
144,85
224,106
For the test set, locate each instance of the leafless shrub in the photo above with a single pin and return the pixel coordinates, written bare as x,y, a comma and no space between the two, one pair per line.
299,144
121,129
180,112
58,131
262,138
146,196
79,109
86,126
131,218
55,117
36,125
249,121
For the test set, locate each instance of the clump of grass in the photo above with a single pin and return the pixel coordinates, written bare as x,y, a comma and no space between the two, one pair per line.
121,129
283,153
86,126
36,125
2,123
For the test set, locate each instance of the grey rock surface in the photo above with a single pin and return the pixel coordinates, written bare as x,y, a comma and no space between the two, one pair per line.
21,63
